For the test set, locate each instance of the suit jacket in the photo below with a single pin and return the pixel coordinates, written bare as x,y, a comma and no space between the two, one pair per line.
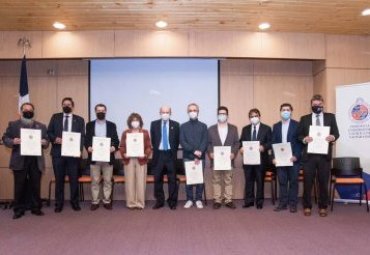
304,128
147,147
111,133
232,138
156,137
14,131
292,137
55,129
263,135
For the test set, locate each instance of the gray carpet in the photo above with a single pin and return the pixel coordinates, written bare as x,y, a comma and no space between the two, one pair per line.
186,231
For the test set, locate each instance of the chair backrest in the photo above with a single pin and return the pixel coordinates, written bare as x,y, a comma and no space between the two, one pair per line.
347,166
118,168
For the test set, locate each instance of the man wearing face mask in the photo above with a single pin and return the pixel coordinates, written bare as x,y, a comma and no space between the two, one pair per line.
193,140
165,135
256,131
27,170
68,122
285,131
317,163
223,134
101,128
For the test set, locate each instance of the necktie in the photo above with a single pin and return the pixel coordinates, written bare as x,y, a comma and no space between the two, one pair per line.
254,134
318,120
66,121
164,136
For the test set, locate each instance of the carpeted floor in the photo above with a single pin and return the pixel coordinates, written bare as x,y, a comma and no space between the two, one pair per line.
186,231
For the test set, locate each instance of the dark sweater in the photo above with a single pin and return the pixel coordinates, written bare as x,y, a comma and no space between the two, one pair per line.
193,136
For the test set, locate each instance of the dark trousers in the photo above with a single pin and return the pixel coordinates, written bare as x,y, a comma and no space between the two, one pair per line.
66,166
27,184
321,165
165,159
252,174
288,185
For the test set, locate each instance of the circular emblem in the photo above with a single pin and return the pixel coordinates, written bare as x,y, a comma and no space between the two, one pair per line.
71,139
193,168
251,148
30,136
101,144
359,111
281,149
222,153
318,134
135,139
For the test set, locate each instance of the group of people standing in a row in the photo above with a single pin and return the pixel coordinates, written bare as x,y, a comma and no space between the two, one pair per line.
162,143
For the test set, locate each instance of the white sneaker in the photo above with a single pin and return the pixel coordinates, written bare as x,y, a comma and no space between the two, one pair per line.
188,204
199,204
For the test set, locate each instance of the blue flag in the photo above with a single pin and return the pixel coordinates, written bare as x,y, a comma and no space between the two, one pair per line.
23,84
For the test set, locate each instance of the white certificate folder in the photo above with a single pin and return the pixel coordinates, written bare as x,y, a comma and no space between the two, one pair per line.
319,145
30,142
283,154
221,158
101,149
71,144
251,153
194,172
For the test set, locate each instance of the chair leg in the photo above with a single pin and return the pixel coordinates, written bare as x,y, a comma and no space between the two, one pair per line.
367,200
272,192
111,194
360,198
332,198
49,195
205,194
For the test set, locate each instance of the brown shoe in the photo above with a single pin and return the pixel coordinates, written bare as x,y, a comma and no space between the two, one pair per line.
108,206
94,207
323,212
307,211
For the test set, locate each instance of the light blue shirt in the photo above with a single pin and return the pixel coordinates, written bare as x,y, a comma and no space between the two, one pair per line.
101,128
284,131
168,133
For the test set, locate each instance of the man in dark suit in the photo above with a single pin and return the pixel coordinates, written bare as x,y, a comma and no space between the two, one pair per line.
317,163
285,131
27,169
101,128
165,135
256,131
67,122
223,134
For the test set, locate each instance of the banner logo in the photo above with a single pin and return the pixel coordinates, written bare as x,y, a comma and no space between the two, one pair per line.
359,111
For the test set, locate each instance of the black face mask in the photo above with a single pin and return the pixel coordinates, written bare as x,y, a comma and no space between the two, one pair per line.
317,109
27,115
100,115
67,109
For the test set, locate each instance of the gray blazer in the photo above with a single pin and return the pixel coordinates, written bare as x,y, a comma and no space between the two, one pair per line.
14,131
232,138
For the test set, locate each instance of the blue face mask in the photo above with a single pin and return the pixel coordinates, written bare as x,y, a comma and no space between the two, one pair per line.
285,115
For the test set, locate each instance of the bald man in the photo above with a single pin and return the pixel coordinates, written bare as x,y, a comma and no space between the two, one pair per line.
165,135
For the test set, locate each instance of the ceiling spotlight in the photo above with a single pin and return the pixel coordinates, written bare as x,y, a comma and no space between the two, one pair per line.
264,26
59,25
161,24
366,12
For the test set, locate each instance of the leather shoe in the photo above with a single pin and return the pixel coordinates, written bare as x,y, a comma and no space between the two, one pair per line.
259,207
38,212
246,205
323,212
76,207
94,207
17,215
230,205
293,209
307,211
173,207
108,206
158,205
216,205
58,209
280,208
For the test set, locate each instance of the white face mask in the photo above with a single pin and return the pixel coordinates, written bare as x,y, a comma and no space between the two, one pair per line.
222,118
135,124
193,115
255,120
165,116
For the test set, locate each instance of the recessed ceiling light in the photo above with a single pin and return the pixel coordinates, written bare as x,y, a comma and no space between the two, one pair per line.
264,26
161,24
59,25
366,12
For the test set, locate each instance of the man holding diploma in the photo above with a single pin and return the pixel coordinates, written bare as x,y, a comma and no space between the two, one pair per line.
27,170
285,131
61,122
319,163
101,128
223,135
256,131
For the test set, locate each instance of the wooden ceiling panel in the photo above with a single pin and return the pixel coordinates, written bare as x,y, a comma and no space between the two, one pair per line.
317,16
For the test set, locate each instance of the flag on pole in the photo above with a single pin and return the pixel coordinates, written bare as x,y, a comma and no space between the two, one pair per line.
23,85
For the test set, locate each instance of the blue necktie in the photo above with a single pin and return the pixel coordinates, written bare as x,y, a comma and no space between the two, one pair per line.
254,134
164,136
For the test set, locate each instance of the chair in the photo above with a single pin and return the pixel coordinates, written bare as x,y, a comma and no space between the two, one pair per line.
270,176
347,171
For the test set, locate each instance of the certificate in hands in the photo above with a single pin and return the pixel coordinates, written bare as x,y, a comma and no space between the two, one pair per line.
283,154
193,172
101,149
135,145
221,158
71,144
319,145
30,142
251,153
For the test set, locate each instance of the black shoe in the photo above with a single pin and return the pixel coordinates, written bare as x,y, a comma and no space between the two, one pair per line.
17,215
38,212
108,206
172,207
280,208
94,207
58,209
293,209
230,205
158,205
259,207
246,205
76,207
216,205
